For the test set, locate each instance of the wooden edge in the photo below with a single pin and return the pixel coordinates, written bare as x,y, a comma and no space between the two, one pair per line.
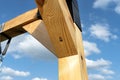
38,30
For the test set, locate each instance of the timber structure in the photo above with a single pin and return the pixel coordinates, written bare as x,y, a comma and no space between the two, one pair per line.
56,25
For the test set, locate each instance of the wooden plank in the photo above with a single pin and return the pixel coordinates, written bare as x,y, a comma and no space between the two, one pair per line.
14,27
38,30
60,27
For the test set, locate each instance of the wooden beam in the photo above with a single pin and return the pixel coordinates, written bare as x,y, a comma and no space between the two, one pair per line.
60,27
38,30
14,27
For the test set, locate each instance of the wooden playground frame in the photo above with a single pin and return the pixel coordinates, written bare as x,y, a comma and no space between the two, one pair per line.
57,32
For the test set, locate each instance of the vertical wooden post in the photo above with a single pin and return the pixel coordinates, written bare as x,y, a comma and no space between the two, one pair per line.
74,67
69,68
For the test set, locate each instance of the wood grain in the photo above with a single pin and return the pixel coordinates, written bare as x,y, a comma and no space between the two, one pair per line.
69,68
60,27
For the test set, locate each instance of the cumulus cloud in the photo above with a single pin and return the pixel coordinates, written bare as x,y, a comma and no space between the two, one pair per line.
12,72
102,32
101,3
96,77
37,78
101,69
27,46
104,4
90,48
99,77
106,71
6,78
100,63
82,25
117,8
16,56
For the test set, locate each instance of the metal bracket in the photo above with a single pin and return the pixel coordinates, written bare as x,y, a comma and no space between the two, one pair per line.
2,53
74,11
6,47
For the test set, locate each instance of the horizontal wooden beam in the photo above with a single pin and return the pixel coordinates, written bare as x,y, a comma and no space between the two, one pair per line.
60,27
38,30
14,27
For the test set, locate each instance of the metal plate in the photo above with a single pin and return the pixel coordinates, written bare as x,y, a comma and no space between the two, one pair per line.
74,10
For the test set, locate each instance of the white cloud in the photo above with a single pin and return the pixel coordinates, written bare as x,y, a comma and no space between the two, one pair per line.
101,4
16,56
27,46
109,77
12,72
101,31
101,69
37,78
98,64
90,48
104,4
106,71
99,77
117,9
6,78
82,25
96,77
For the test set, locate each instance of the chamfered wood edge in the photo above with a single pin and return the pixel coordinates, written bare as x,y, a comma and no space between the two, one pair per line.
38,30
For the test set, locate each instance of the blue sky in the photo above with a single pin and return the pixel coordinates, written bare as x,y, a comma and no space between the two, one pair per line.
27,59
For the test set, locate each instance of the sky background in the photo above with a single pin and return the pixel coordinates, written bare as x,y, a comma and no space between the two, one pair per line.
27,59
